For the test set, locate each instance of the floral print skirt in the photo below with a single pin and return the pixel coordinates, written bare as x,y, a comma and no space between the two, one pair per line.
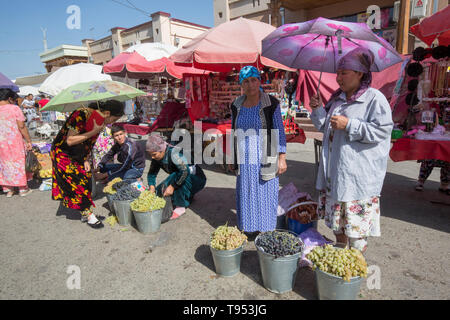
71,183
356,219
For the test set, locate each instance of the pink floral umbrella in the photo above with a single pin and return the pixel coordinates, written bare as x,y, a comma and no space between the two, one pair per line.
319,44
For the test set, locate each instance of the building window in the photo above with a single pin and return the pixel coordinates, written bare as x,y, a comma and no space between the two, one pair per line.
256,2
220,15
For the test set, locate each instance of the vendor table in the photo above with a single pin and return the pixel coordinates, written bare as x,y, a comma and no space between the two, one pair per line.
135,129
412,149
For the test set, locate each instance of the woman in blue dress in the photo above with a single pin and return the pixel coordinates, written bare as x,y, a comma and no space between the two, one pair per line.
260,150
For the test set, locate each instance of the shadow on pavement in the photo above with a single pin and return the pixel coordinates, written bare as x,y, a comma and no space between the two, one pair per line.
214,205
304,281
399,199
71,214
204,256
428,208
250,265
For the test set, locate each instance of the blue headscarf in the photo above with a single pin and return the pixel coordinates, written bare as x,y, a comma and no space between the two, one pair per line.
248,72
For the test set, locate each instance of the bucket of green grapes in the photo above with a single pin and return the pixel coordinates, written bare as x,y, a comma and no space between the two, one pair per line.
338,272
227,245
147,211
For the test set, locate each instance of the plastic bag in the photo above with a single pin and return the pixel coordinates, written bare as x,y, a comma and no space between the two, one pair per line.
168,209
311,238
46,185
31,162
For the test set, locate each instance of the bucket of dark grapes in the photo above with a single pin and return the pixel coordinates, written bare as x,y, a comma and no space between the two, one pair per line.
338,272
279,252
122,202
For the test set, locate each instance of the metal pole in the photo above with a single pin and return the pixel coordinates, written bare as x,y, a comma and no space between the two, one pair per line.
323,62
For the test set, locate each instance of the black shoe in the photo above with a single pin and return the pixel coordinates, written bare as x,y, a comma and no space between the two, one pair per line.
251,236
97,225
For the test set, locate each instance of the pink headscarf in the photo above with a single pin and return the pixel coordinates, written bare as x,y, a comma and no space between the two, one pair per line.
156,143
361,60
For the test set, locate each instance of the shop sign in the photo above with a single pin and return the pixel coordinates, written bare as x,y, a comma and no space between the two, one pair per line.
419,9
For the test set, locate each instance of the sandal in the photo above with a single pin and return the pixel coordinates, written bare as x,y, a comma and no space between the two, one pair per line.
419,187
445,191
175,215
25,193
97,225
9,194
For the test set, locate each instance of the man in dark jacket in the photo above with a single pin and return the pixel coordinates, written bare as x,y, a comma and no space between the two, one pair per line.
130,154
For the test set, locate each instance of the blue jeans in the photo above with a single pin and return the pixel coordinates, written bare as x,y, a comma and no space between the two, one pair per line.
129,174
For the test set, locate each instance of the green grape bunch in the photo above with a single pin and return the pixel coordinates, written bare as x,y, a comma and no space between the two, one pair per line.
109,187
147,202
344,263
227,238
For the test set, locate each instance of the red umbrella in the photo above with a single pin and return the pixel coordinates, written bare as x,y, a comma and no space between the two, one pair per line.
233,44
308,82
432,27
135,66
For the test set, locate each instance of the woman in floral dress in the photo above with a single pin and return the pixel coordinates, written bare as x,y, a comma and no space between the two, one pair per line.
71,152
357,125
13,132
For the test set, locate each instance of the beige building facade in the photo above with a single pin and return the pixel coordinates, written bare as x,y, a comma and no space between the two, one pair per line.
162,28
279,12
63,55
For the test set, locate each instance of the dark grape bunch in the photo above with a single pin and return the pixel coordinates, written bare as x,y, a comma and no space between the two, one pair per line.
119,185
279,243
125,193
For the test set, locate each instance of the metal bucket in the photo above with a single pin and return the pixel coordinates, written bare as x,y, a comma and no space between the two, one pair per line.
331,287
123,212
148,222
110,202
227,262
298,228
278,274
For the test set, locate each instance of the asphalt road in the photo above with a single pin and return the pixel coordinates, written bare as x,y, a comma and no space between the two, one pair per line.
41,244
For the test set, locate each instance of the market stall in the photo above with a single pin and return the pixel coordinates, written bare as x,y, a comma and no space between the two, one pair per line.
163,106
421,109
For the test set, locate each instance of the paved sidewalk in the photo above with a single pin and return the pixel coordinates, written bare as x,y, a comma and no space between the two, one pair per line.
39,241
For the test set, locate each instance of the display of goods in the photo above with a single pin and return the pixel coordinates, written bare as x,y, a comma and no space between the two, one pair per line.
147,202
305,213
126,193
279,243
109,189
345,263
45,173
119,185
227,238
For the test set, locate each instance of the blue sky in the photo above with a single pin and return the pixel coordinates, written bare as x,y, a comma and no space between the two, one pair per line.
21,35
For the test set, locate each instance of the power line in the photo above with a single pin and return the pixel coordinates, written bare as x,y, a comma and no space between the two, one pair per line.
147,13
131,7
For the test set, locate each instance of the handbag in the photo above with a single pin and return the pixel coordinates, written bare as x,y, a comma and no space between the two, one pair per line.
31,162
